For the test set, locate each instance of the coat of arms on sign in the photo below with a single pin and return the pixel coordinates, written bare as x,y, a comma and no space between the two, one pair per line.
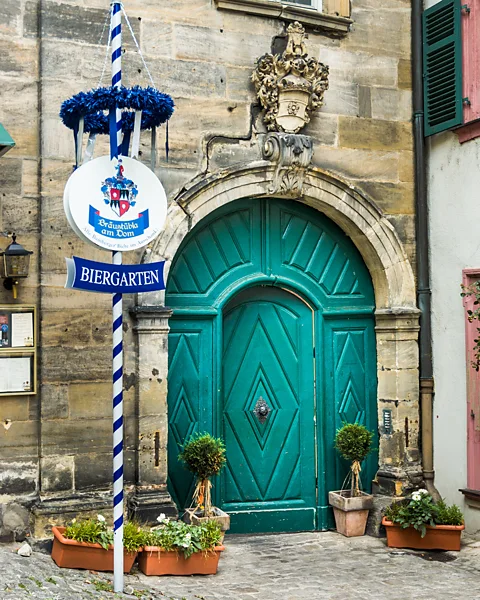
119,192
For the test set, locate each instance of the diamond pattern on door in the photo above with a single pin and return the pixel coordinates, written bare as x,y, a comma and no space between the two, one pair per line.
349,357
189,351
266,334
261,388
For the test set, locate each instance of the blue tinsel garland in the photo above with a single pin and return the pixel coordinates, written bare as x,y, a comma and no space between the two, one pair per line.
156,108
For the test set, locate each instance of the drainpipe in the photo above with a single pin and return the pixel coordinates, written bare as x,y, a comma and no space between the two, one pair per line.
423,262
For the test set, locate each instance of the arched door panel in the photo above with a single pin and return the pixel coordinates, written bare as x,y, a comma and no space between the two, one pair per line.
229,347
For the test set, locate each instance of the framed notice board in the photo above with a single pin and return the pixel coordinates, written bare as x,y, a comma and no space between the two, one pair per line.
18,350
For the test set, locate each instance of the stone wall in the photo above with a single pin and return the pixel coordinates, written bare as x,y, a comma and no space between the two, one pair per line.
203,57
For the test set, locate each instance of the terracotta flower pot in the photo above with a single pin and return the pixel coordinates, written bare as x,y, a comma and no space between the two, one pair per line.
351,512
82,555
440,537
155,561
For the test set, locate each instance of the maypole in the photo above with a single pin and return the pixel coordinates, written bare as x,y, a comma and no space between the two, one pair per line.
115,147
115,203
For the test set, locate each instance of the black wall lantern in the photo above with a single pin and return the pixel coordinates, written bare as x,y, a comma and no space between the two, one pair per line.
15,265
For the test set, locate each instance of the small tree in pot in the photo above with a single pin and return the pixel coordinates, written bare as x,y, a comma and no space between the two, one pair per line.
350,504
204,456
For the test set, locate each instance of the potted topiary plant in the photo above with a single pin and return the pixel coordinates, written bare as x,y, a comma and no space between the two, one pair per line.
204,456
350,506
418,522
177,548
87,544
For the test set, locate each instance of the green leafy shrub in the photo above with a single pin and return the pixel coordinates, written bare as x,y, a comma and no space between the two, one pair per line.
95,531
448,515
203,455
391,512
133,536
420,510
182,537
354,441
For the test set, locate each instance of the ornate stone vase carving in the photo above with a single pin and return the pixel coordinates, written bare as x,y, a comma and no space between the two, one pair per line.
290,87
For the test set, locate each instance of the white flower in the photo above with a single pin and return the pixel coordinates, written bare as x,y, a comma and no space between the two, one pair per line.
162,518
101,518
74,520
188,536
419,494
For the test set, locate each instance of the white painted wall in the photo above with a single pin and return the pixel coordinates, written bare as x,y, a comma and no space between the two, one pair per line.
454,197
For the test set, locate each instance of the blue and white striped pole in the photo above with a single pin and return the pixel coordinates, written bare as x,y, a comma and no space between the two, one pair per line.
115,145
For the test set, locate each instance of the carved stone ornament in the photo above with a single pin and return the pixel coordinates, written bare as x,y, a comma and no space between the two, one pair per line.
293,154
290,87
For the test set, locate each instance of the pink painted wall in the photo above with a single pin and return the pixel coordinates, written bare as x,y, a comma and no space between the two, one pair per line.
471,59
473,390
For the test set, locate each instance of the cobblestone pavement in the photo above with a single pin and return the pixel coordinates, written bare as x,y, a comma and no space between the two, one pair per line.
303,566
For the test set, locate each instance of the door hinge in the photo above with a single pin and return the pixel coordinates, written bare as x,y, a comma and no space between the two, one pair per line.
314,354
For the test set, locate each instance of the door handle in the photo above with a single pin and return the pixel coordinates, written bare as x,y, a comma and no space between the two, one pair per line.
261,410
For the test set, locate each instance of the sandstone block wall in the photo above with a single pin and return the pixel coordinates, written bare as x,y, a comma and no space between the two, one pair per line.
59,440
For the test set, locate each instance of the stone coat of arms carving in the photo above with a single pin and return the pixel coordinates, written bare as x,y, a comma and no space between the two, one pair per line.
290,87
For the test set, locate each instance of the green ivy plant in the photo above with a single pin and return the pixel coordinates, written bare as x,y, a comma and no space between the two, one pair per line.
204,456
474,315
181,537
420,510
95,531
354,443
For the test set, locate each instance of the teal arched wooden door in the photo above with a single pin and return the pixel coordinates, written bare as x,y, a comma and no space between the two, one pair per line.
272,302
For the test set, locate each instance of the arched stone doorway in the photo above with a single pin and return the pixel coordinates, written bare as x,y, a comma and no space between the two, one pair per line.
395,313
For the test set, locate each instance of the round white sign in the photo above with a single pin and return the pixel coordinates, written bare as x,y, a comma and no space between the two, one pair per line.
117,205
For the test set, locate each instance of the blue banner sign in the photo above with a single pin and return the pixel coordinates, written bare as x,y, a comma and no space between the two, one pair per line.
106,278
118,229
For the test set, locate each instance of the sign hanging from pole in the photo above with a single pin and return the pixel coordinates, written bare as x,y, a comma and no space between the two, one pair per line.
117,205
92,276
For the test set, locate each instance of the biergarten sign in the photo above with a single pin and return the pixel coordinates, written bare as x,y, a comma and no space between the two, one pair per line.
92,276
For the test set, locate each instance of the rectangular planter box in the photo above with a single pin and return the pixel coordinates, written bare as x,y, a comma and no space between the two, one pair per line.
155,561
221,517
440,537
82,555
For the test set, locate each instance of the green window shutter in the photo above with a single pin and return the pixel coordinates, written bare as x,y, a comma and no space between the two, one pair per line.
442,66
